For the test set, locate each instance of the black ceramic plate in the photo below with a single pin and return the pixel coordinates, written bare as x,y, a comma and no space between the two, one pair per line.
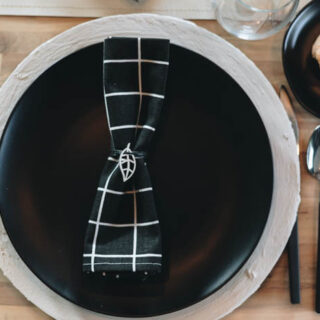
302,71
211,168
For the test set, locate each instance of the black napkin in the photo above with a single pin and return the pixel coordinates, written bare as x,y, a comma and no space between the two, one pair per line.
123,232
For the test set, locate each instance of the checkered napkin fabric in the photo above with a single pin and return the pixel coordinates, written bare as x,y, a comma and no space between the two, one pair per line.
123,233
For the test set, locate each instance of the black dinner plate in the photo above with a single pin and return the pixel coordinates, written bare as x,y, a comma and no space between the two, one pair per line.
302,71
211,169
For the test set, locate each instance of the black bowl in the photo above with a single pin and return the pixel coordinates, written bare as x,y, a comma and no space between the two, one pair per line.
210,164
302,71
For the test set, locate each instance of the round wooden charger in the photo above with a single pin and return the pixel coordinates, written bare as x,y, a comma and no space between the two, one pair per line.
285,198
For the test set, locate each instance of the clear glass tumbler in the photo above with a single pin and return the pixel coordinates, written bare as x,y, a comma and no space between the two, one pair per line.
254,19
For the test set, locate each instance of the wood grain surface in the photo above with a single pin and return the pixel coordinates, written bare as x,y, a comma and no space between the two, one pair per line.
20,35
189,9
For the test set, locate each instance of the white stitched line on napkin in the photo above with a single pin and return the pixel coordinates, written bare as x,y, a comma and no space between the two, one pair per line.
99,217
129,126
153,263
134,93
125,192
139,82
135,219
124,225
136,60
135,231
145,255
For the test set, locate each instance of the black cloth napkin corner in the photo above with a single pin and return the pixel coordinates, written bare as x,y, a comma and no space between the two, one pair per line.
123,233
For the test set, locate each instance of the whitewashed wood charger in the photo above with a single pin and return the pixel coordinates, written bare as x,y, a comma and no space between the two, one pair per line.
285,199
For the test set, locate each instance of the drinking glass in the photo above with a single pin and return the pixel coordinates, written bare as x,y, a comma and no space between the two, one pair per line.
254,19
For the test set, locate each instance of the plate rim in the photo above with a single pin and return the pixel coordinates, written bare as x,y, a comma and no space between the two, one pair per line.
282,214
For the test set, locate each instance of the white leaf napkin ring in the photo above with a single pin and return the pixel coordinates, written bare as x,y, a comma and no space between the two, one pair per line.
127,163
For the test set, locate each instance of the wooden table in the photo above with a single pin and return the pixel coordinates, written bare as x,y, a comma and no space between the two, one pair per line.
20,35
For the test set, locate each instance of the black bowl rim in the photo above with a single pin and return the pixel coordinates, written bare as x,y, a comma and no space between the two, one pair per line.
285,62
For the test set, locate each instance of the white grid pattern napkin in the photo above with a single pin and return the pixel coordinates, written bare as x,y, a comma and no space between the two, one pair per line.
123,233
